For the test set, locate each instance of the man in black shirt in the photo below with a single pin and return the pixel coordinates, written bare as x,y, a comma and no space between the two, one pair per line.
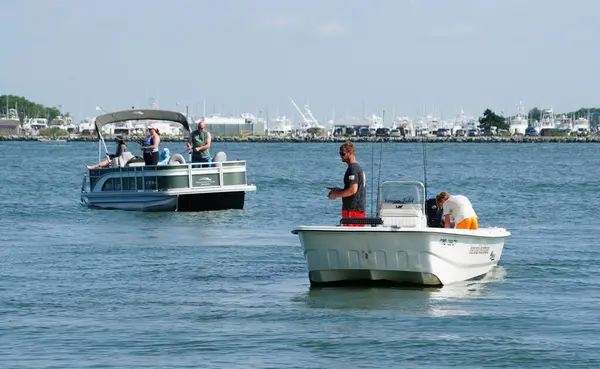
353,194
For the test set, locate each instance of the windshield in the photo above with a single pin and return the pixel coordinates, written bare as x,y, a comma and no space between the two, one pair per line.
402,192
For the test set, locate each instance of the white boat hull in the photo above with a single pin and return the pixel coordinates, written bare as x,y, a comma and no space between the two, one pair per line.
423,256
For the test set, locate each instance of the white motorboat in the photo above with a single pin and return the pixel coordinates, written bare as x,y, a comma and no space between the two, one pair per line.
398,246
177,186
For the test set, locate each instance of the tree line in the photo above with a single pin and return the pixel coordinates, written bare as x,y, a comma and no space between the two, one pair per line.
491,119
29,109
536,113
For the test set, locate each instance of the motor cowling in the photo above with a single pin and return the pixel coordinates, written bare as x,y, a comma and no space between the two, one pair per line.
435,217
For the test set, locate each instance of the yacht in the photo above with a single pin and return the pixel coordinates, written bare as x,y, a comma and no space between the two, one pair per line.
519,124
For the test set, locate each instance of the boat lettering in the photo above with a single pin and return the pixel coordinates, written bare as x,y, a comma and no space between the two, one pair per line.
149,183
204,181
492,256
448,242
479,249
405,200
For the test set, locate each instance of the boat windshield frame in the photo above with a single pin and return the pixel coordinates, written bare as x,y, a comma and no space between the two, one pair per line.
415,198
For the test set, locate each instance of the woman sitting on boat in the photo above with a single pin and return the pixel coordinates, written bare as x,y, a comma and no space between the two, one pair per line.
164,157
150,146
121,148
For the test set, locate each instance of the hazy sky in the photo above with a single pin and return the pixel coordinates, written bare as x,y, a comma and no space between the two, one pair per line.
248,55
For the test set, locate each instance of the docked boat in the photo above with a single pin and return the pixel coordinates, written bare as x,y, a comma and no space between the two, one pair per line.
177,186
398,246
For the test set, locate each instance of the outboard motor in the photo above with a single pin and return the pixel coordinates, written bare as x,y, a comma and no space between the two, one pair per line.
435,217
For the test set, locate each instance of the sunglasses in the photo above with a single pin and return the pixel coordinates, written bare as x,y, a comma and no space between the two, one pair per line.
342,153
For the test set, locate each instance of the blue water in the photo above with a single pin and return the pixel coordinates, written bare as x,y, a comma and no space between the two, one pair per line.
82,288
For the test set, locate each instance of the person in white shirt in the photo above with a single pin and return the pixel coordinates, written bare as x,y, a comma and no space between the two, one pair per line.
460,208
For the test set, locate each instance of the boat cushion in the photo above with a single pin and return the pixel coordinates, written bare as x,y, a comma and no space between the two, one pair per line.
402,215
120,161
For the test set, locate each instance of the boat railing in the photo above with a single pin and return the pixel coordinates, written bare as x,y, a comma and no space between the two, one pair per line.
147,177
84,182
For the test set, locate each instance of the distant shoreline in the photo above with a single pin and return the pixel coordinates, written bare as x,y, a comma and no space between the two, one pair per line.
272,139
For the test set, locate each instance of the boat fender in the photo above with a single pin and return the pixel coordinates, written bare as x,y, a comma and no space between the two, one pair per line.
220,157
176,159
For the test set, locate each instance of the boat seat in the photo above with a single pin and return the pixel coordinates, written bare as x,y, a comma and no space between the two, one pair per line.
219,157
135,161
120,161
402,215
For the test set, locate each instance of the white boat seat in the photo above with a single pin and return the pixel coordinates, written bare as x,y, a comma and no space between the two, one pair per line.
219,157
402,215
120,161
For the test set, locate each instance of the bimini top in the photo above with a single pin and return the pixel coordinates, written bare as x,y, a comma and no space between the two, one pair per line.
141,114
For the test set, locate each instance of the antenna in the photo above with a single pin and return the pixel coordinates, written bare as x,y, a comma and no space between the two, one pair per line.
312,117
380,156
424,166
306,120
372,177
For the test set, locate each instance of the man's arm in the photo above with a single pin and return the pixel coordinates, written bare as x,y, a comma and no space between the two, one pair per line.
447,223
344,193
206,145
208,141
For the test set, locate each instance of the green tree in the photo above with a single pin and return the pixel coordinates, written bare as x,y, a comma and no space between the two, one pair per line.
535,114
583,112
27,108
315,131
491,119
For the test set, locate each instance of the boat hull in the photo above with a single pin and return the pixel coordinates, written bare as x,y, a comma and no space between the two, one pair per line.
421,256
175,187
165,201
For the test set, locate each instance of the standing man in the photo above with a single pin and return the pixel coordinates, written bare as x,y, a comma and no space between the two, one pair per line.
460,208
199,143
354,199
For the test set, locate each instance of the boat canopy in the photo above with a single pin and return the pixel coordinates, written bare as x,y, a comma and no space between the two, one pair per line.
141,114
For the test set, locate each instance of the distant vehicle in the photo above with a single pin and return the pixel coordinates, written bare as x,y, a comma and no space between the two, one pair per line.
363,132
460,133
443,132
395,133
382,132
532,132
583,132
421,132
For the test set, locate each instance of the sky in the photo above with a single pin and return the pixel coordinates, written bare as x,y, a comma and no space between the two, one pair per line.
343,57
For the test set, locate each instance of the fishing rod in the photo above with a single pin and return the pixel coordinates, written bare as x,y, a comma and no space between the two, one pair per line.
372,177
373,169
380,152
424,165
